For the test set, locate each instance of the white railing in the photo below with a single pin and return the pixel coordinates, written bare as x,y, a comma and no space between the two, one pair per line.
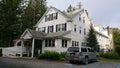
12,51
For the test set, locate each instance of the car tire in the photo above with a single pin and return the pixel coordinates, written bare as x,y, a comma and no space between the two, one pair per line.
71,61
86,61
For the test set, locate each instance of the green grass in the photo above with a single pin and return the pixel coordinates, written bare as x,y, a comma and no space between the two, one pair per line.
109,60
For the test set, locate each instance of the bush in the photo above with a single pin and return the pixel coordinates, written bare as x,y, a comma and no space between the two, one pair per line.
52,55
0,52
110,55
117,49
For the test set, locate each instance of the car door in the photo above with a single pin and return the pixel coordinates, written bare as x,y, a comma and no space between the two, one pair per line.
91,54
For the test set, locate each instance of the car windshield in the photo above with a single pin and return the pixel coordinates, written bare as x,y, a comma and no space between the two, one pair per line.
73,49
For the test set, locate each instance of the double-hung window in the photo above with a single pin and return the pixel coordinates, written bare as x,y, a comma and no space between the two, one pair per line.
50,29
64,43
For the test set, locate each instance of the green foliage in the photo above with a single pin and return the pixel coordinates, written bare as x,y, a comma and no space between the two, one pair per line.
116,36
10,12
70,8
52,55
117,49
0,52
33,12
110,55
16,16
91,39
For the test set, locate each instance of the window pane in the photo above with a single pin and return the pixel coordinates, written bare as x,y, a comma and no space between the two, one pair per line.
65,43
46,43
83,50
72,43
49,43
53,43
75,28
62,43
64,27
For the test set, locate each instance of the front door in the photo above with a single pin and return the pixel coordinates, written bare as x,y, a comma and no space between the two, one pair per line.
38,47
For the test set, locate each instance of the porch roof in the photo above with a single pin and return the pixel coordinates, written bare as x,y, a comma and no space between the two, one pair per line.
41,35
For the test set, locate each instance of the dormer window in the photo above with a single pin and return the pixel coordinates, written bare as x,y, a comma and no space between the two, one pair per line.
51,17
83,19
79,17
75,28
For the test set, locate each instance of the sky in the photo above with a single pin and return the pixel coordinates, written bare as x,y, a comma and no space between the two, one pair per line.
104,12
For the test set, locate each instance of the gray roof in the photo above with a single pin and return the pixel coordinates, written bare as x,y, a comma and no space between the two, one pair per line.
41,35
36,34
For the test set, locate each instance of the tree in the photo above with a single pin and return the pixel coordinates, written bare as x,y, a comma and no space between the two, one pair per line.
70,8
33,12
9,21
92,40
16,16
116,36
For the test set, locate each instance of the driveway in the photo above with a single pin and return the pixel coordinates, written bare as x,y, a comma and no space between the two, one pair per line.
34,63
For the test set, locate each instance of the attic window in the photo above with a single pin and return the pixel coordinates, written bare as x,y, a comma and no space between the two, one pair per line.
83,19
51,17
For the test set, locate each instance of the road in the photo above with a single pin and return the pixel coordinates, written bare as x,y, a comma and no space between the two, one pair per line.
34,63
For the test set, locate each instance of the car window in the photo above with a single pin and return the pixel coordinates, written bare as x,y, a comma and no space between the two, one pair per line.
90,50
83,50
73,49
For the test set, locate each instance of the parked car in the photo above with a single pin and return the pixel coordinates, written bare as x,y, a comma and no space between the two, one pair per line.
81,54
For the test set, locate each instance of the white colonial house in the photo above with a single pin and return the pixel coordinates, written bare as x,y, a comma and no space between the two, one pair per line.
57,30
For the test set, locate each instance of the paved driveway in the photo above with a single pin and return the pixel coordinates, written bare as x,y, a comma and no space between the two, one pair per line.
34,63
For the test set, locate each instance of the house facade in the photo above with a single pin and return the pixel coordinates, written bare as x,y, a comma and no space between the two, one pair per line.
57,30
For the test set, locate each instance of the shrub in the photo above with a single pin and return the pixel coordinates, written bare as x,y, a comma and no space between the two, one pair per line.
110,55
52,55
0,52
117,49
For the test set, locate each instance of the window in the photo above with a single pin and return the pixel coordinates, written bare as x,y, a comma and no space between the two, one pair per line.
75,28
83,50
80,30
51,17
64,27
42,29
55,15
50,43
75,43
64,43
61,27
83,43
84,31
83,19
90,50
58,28
79,18
50,29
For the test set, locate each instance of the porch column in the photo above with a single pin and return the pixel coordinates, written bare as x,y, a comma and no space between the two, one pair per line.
33,43
22,45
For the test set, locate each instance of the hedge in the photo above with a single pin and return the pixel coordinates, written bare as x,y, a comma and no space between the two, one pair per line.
52,55
110,55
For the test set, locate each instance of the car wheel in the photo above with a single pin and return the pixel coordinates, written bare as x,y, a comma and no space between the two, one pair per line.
86,61
71,61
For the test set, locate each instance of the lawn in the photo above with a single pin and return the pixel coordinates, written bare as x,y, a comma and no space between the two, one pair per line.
109,60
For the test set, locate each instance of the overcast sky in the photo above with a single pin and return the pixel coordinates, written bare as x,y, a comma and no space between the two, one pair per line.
105,12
